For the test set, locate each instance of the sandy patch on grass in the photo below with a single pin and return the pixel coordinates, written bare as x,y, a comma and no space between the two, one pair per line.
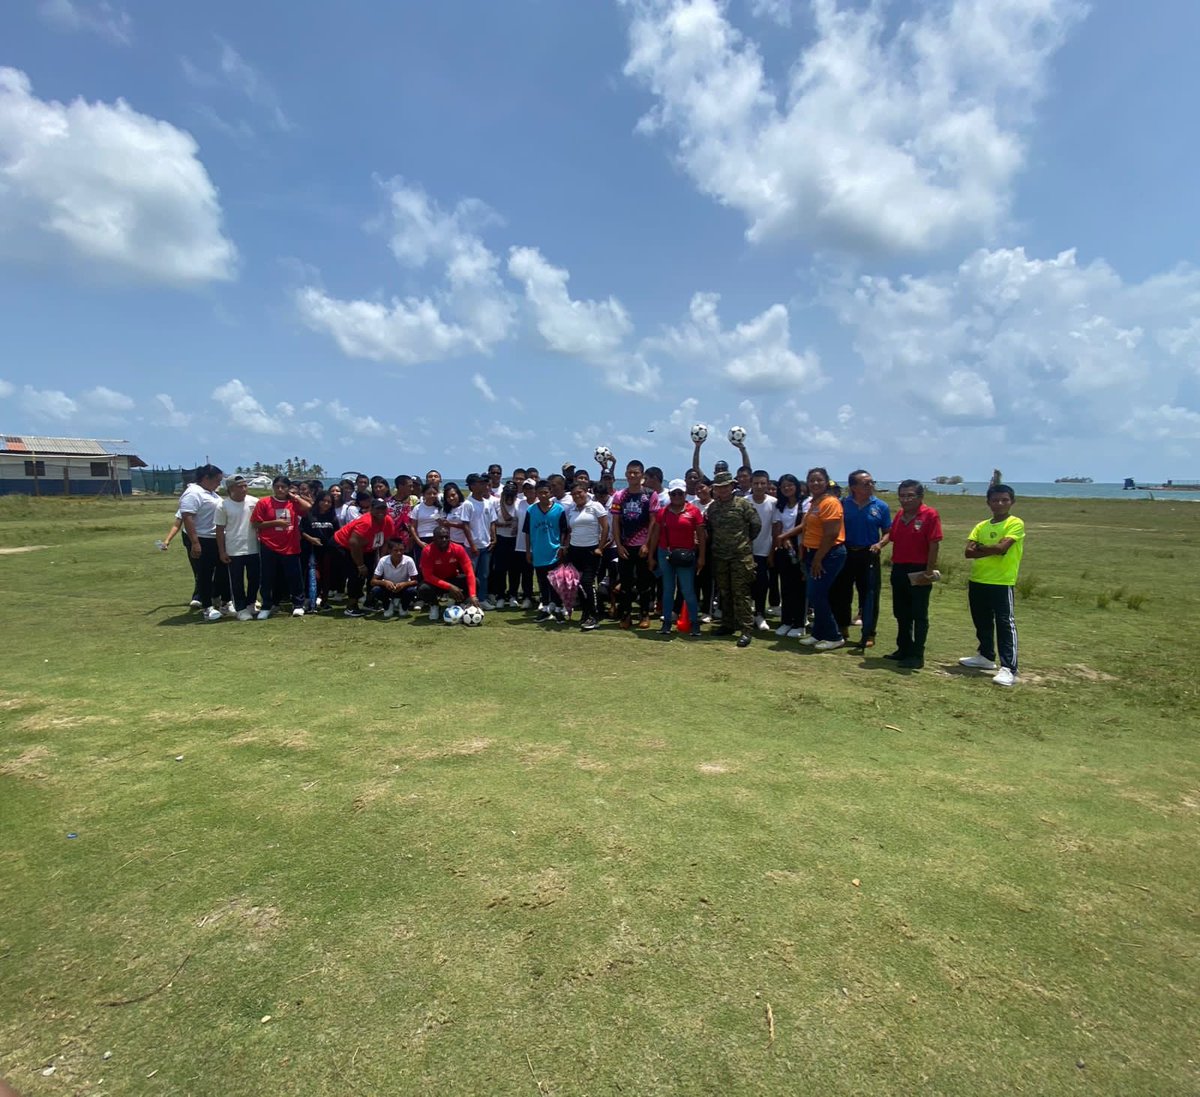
28,764
21,548
17,701
593,765
534,754
289,740
259,920
57,721
712,769
464,748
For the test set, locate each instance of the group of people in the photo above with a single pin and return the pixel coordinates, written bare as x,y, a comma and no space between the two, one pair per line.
734,549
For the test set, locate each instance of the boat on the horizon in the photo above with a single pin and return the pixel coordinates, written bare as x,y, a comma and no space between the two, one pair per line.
1074,480
1170,485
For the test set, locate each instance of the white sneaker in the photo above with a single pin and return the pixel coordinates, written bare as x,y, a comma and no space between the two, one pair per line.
808,641
298,611
263,614
212,614
514,603
527,603
760,623
783,630
390,612
195,603
705,619
795,633
435,613
245,614
1004,677
978,662
227,610
827,645
489,603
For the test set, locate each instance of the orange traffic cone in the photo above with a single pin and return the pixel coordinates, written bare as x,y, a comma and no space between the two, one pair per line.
683,623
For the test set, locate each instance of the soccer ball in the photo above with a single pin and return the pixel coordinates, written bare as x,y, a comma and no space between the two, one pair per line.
737,435
699,432
603,455
452,615
472,615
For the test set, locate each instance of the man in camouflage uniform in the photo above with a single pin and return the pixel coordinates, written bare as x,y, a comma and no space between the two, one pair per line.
733,523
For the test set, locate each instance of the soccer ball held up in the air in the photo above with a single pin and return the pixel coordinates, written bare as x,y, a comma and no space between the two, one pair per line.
603,455
472,615
737,435
453,615
699,432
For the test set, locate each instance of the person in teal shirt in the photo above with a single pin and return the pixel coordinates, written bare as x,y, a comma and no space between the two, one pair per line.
995,548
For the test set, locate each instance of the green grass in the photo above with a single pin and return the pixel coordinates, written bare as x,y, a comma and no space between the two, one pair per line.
516,860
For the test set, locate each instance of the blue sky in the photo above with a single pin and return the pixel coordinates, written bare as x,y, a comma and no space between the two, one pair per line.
925,238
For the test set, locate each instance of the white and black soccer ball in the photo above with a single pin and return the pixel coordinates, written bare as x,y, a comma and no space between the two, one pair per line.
471,616
452,615
737,435
603,455
699,432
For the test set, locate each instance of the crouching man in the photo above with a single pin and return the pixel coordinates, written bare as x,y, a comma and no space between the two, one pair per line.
446,572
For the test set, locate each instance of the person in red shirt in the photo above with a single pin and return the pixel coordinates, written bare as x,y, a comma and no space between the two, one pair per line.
276,520
677,543
915,537
359,543
445,570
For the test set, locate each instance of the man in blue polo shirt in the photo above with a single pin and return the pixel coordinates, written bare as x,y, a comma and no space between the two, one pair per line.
867,519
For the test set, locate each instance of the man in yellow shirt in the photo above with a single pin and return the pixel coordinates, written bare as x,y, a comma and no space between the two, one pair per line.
995,548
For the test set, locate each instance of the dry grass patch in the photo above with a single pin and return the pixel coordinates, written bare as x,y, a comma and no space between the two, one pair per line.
12,551
241,912
464,748
711,769
28,764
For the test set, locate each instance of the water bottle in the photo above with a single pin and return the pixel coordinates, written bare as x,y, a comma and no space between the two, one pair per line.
161,546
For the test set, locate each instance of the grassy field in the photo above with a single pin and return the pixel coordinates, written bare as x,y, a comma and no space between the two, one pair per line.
366,857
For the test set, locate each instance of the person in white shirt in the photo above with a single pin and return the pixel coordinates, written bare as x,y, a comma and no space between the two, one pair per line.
238,547
198,508
479,511
424,519
526,499
587,521
455,517
506,582
763,545
395,580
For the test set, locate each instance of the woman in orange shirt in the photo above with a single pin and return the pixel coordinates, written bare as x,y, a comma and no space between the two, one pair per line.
823,537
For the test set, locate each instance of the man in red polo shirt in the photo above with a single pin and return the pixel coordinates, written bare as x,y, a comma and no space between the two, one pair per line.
359,544
445,570
915,537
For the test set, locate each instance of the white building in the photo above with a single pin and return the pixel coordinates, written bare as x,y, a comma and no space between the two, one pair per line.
31,464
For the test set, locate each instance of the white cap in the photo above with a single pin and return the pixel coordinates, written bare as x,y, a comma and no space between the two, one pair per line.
676,485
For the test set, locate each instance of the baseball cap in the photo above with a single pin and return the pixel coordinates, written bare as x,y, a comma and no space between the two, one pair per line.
237,479
676,485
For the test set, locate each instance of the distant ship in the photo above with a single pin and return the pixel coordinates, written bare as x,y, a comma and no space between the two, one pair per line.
1074,480
1170,485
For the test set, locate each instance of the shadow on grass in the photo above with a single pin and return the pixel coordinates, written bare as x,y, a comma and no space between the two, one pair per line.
892,667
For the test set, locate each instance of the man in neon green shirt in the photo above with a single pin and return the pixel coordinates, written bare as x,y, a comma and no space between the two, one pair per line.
994,548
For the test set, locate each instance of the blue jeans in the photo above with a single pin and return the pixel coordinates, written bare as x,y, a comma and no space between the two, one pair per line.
482,563
825,626
686,578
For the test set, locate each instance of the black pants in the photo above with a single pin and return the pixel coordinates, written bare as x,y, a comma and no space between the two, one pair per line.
762,583
243,578
355,583
995,623
587,563
637,583
910,606
502,579
429,594
276,563
547,595
406,597
793,590
212,577
861,573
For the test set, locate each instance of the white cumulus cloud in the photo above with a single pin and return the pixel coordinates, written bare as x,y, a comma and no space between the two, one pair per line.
167,414
754,355
244,411
103,184
483,388
470,311
106,399
885,136
1049,348
47,404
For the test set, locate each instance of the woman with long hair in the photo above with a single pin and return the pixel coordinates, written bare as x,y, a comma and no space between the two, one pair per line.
822,534
504,579
793,601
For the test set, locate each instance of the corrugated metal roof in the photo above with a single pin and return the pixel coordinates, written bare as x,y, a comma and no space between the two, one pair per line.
43,444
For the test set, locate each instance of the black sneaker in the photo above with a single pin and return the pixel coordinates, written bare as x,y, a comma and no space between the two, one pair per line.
744,640
911,662
894,655
666,628
353,611
588,624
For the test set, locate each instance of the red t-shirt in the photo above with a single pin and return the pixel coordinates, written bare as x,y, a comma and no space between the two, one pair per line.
437,567
374,535
285,541
910,540
678,531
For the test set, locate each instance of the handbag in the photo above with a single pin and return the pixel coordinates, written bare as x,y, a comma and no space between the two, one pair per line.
681,558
